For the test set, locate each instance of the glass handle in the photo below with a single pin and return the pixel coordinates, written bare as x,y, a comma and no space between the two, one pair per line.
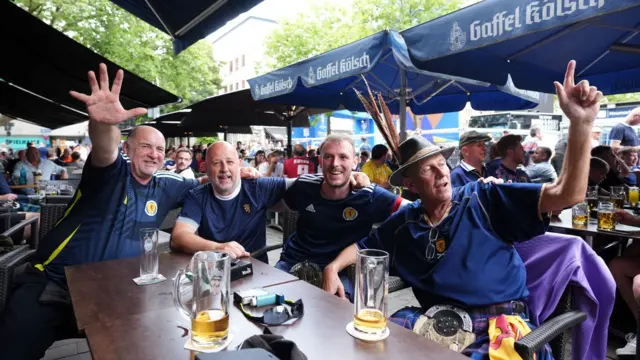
370,272
177,297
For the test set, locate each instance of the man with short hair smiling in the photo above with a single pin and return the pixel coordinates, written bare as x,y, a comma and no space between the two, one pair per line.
119,194
512,152
473,151
183,163
541,171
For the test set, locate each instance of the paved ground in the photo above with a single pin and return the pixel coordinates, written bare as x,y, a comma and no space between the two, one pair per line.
77,349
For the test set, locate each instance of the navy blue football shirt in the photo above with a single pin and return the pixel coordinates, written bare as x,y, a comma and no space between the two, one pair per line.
327,227
103,219
464,173
625,134
468,259
240,219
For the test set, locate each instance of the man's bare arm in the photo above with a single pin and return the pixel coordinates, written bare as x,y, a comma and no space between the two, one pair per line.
615,145
581,104
183,238
105,113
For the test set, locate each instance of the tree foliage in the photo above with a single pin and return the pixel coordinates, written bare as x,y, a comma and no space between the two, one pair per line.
133,44
329,25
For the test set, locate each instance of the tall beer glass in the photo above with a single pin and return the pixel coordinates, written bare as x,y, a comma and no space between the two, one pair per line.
149,254
592,201
606,220
617,197
634,196
371,289
207,282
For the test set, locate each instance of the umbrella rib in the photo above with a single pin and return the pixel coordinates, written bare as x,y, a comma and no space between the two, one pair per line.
424,88
435,92
605,53
571,28
382,84
159,19
203,15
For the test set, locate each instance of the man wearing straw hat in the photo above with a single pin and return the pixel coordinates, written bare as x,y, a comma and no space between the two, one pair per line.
455,246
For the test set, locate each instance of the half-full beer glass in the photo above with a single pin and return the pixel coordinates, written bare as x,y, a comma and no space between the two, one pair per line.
371,288
606,220
592,201
617,196
580,214
149,254
202,294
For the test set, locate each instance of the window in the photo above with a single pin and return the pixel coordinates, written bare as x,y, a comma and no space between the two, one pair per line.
243,84
242,60
236,86
231,66
237,63
229,88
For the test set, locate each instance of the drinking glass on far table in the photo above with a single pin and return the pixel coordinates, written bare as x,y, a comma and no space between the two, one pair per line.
592,201
606,220
580,214
617,197
149,255
634,196
370,302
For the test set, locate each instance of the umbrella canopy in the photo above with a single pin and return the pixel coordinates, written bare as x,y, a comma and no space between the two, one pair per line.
240,109
186,21
20,104
328,80
39,58
531,42
173,129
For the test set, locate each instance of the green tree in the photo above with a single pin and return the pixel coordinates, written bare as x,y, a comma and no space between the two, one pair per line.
329,25
133,44
622,98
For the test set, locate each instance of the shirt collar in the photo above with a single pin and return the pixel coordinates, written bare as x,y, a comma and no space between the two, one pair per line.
230,196
468,167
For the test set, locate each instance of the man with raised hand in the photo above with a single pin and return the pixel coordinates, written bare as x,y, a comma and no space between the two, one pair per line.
118,195
454,247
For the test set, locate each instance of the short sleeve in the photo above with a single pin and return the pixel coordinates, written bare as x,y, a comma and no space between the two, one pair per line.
384,204
58,169
514,210
179,188
293,196
383,238
617,133
263,168
94,177
271,190
191,213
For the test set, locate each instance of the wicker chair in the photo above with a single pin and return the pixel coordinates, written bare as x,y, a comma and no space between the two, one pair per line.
49,216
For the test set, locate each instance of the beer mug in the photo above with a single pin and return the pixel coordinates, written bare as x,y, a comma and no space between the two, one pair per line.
617,197
201,293
371,289
606,220
580,214
634,196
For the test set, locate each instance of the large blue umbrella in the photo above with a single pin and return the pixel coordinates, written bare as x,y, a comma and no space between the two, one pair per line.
186,21
327,81
531,42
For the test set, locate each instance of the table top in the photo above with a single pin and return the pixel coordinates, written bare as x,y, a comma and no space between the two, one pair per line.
563,221
321,334
105,291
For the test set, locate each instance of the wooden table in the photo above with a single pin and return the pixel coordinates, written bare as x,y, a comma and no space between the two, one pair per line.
563,222
105,291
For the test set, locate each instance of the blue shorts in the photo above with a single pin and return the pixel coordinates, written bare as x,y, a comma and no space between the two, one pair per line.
344,278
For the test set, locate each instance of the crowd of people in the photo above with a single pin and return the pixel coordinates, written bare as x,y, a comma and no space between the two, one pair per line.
453,245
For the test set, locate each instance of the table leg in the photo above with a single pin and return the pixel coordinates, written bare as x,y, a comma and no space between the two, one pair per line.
589,240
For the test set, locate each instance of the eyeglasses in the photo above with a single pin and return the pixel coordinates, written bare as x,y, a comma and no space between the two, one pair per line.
277,315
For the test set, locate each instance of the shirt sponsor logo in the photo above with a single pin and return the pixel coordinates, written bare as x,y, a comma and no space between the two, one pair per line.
349,214
151,208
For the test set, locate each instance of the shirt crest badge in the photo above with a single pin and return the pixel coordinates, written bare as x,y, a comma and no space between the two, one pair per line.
441,246
246,208
349,214
151,208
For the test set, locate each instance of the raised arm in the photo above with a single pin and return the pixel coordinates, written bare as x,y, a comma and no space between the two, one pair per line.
105,113
581,104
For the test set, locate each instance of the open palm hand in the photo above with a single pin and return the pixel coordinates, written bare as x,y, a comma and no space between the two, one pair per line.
103,105
580,102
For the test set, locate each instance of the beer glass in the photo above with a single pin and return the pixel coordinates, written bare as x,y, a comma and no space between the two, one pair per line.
606,219
617,197
371,288
149,254
634,196
201,293
592,201
580,214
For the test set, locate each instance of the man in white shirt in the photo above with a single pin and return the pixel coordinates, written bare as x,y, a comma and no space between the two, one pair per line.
272,167
183,162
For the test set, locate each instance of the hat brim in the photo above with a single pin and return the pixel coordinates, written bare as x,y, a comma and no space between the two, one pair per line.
483,139
397,177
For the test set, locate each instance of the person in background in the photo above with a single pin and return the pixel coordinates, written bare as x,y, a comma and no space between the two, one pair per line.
239,146
170,160
66,155
473,151
623,136
201,164
558,157
364,157
595,136
76,160
532,143
512,152
598,170
51,156
541,171
313,157
299,164
258,159
391,162
376,168
617,168
630,158
16,217
272,167
365,144
183,160
33,163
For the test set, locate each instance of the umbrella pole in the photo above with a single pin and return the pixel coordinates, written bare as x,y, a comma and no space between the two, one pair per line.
225,134
403,105
289,140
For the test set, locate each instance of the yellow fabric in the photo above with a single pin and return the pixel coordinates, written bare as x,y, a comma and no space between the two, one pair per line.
75,201
377,174
56,251
504,331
